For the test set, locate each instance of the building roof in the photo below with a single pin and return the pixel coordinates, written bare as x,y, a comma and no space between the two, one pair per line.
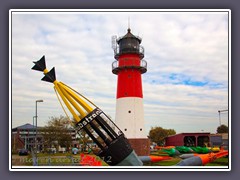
26,126
190,133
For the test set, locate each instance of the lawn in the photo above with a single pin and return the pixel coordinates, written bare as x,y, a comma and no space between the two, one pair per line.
219,162
170,162
57,159
68,159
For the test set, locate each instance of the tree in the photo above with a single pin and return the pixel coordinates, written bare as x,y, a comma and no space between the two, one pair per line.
57,132
84,139
158,134
222,129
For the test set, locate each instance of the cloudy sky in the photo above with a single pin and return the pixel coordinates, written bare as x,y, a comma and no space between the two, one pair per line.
187,55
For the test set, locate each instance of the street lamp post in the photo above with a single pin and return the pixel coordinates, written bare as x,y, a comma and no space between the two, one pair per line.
219,113
34,137
36,123
219,117
33,120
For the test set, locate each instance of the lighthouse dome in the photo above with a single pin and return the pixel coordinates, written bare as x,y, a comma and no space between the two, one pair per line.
129,43
129,35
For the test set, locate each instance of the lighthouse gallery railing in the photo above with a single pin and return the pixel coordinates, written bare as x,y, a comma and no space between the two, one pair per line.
139,50
126,65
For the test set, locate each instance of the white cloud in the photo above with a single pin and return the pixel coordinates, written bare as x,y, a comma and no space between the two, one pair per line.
191,45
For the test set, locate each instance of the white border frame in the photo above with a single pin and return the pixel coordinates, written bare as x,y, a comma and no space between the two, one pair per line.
119,168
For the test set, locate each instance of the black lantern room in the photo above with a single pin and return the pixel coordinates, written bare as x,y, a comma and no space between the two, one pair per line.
129,44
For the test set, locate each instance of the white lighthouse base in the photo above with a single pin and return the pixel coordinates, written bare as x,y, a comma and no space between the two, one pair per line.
130,119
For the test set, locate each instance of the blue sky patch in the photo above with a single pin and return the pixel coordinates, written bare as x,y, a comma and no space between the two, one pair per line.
182,79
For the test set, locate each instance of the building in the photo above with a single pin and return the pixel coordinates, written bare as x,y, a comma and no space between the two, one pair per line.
220,140
225,139
188,139
216,140
129,66
24,137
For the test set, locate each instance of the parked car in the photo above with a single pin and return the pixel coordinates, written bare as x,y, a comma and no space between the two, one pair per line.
23,152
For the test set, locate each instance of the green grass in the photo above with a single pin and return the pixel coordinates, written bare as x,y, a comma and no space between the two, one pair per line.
68,159
63,159
171,162
58,159
54,154
219,162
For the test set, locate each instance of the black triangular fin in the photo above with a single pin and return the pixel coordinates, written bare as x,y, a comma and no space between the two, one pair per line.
40,65
50,76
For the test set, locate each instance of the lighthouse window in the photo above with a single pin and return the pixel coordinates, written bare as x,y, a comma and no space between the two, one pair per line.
129,45
125,129
129,111
140,129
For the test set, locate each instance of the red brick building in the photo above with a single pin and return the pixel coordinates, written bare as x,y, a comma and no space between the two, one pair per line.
188,139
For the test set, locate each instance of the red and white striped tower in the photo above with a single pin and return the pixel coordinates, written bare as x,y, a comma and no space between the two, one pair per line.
129,66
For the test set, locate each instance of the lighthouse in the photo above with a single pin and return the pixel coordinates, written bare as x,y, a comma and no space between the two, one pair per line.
129,67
